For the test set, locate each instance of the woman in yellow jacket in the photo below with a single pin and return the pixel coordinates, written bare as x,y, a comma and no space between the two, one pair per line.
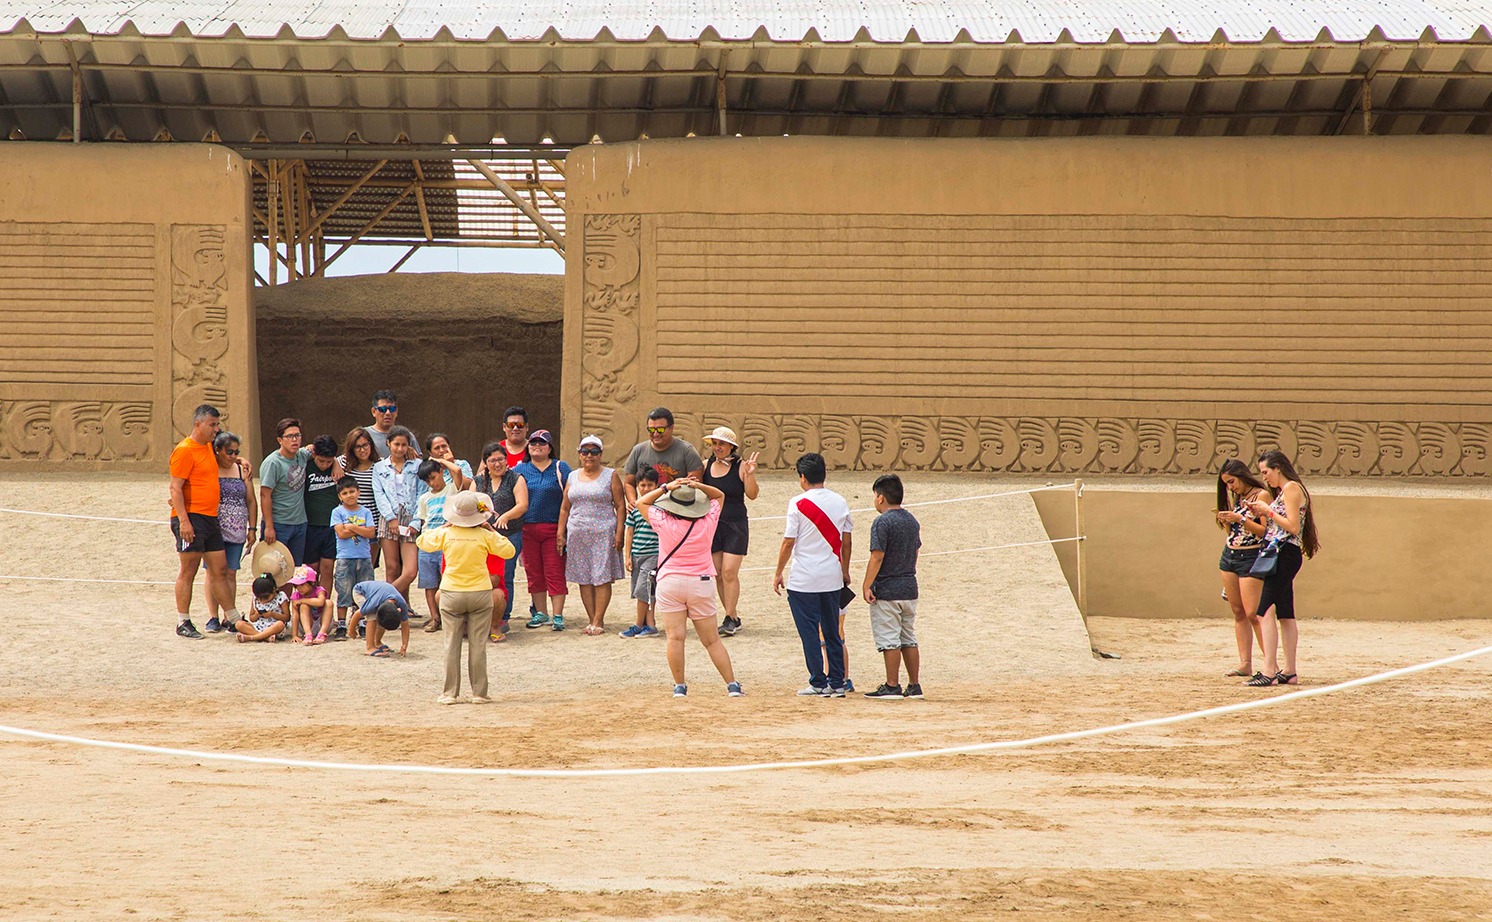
465,588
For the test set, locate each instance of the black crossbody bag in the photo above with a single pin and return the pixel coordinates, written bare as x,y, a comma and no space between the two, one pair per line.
653,576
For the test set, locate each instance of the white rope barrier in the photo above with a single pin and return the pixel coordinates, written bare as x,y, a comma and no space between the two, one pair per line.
83,579
970,749
94,518
942,502
962,550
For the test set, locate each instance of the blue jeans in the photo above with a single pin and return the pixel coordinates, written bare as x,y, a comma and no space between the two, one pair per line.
510,567
815,612
293,537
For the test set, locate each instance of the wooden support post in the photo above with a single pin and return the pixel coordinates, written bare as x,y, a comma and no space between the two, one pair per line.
1082,559
272,198
404,259
369,226
556,239
342,200
419,199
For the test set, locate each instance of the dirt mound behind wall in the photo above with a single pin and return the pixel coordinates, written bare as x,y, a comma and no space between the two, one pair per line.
456,348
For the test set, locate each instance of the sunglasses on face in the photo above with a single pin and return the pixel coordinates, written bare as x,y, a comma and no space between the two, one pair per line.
391,408
590,451
231,452
515,425
658,430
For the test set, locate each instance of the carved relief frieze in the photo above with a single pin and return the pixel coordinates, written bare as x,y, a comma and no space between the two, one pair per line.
199,325
1080,446
610,335
72,430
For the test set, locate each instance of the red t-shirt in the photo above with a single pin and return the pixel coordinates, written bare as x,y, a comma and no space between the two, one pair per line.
515,458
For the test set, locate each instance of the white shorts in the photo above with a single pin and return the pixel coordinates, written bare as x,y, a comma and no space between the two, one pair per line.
893,625
692,594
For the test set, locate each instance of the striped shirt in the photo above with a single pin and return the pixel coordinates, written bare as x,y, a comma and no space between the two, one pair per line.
365,491
644,539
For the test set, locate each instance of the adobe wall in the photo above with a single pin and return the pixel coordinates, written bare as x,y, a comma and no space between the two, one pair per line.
1154,554
1076,305
124,302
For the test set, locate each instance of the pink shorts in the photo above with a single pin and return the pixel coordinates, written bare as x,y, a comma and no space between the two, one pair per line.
692,594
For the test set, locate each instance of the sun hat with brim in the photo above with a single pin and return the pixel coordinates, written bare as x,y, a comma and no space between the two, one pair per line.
686,503
273,558
724,434
542,436
467,509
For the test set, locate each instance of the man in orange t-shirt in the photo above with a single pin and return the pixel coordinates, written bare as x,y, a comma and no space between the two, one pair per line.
194,522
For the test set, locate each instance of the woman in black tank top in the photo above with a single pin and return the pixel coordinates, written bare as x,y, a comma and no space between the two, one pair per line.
736,478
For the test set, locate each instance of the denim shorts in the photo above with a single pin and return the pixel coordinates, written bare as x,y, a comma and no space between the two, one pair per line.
430,569
1238,560
348,573
234,550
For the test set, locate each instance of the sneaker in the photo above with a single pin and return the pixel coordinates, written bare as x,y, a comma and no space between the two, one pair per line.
848,685
729,626
734,690
913,691
559,623
887,692
813,691
213,626
445,699
362,630
536,619
681,691
633,631
432,626
648,631
188,630
480,699
836,692
341,632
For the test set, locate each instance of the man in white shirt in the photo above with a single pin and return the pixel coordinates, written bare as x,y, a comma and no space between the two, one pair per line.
817,541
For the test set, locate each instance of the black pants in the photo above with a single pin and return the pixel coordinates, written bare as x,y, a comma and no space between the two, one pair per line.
1279,588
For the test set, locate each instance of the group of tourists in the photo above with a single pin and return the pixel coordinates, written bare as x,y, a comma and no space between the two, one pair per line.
1271,533
323,518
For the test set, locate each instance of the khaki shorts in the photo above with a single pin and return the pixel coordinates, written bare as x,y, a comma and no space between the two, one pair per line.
893,625
692,594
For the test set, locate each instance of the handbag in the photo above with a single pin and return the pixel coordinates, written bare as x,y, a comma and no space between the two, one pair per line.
653,575
1267,561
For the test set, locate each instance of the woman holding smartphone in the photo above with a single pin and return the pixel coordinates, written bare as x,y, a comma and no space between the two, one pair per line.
1236,488
1292,523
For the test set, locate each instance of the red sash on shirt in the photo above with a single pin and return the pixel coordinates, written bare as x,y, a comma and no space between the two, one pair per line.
820,519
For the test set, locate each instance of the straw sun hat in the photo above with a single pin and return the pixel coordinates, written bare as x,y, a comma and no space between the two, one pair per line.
686,503
724,434
273,558
467,509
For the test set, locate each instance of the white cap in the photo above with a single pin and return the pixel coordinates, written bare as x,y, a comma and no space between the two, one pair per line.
591,440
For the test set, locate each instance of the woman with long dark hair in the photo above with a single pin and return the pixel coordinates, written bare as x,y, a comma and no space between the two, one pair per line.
1236,488
357,462
509,494
1289,522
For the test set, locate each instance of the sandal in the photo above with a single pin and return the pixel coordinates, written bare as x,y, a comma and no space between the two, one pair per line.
432,626
379,651
495,637
1281,678
320,638
1260,680
1238,673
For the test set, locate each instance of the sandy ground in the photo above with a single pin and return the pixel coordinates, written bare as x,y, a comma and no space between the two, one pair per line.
1374,803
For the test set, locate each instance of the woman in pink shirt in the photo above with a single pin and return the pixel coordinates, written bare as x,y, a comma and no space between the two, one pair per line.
684,513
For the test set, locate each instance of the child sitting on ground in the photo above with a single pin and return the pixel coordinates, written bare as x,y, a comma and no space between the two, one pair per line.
310,609
385,610
271,611
353,524
641,553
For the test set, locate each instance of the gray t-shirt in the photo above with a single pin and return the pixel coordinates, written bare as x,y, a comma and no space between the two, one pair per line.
380,441
896,534
675,461
286,479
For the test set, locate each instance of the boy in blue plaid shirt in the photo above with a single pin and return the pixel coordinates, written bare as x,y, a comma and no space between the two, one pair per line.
640,550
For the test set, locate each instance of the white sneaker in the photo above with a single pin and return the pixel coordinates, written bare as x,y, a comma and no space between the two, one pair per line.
480,699
812,692
445,699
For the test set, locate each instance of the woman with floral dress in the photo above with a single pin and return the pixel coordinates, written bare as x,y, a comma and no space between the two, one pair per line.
591,525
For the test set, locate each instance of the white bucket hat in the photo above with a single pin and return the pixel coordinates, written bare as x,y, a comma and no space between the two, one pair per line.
467,509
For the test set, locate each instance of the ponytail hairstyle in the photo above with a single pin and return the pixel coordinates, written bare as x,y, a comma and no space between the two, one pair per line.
1277,460
1225,498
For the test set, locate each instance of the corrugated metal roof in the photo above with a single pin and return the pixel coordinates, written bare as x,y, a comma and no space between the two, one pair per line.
925,21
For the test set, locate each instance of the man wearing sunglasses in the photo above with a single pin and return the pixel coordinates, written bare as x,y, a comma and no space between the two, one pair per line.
385,415
669,457
515,435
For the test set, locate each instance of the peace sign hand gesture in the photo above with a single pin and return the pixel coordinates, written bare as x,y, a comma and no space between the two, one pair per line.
748,467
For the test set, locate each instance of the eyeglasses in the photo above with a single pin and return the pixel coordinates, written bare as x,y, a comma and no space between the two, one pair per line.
292,436
658,430
391,408
231,452
515,425
590,451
